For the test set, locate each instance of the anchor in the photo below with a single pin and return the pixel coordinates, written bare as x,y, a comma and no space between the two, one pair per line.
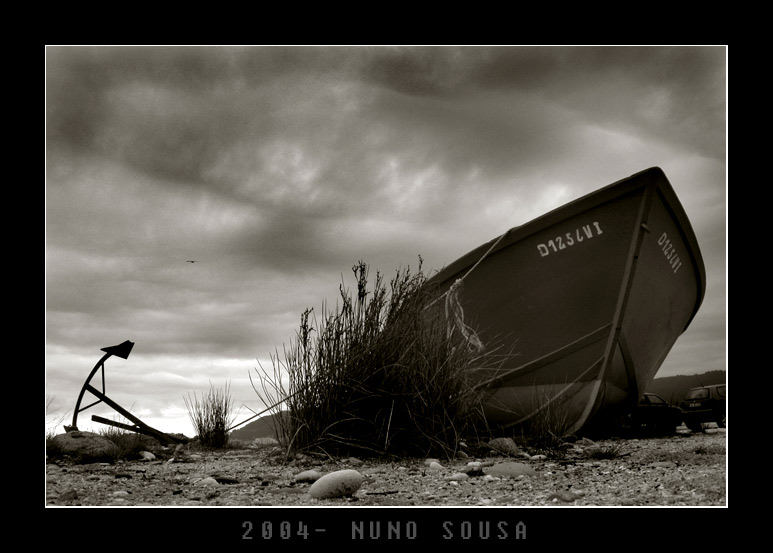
121,350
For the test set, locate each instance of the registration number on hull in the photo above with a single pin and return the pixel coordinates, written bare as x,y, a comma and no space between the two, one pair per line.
670,252
569,239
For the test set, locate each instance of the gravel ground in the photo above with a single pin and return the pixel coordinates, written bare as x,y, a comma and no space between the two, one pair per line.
682,470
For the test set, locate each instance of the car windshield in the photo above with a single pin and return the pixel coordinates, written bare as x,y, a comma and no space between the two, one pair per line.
721,391
699,393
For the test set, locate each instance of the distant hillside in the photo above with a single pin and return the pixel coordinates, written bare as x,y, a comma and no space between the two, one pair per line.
673,388
264,427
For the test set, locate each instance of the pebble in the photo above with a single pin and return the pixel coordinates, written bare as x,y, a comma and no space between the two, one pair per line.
207,482
307,476
226,480
69,495
663,464
566,497
504,445
510,469
336,484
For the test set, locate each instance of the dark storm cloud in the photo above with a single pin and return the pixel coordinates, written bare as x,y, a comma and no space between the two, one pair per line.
284,125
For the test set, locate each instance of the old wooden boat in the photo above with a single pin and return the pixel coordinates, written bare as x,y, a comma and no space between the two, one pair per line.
585,301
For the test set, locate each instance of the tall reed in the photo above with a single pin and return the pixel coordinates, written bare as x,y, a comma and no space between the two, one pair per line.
211,416
380,375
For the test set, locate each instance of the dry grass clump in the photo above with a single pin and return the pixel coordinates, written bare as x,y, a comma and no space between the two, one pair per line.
606,451
380,375
547,430
129,444
211,416
52,423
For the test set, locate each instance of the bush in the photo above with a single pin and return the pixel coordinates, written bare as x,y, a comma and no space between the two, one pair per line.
380,375
211,416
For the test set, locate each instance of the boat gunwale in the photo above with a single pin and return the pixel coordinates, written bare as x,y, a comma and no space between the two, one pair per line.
653,176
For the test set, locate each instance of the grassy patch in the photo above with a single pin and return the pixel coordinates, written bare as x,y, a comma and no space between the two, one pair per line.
546,431
381,374
211,416
606,451
129,444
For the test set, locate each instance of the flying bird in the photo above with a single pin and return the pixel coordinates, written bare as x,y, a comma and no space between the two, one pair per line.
191,261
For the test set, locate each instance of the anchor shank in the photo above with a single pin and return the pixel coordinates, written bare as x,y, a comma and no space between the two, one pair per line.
153,432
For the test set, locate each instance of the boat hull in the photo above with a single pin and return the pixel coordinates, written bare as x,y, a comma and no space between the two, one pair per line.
583,303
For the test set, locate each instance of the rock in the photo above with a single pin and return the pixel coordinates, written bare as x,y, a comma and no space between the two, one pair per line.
336,484
510,469
207,482
474,468
566,497
69,495
504,445
85,447
307,476
225,480
434,465
663,464
147,456
458,476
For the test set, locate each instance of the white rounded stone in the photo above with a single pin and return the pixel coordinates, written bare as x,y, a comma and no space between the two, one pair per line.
336,484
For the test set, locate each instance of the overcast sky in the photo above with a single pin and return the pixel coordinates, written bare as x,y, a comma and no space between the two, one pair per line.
278,168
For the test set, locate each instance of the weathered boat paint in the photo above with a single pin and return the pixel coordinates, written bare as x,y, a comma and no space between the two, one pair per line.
588,299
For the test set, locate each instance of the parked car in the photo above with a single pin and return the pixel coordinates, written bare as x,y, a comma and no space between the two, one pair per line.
654,415
704,404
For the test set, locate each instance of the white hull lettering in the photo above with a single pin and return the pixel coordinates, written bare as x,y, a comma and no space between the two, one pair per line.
569,239
669,252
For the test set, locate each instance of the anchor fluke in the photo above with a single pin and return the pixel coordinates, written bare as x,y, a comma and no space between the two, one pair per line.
121,350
